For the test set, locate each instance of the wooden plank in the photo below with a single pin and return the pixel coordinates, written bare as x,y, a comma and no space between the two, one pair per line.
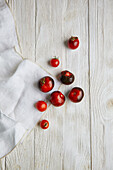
76,139
101,80
22,157
24,15
48,144
66,145
2,164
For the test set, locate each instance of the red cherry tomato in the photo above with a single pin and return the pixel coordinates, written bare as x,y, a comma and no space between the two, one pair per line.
46,84
76,94
57,98
66,77
73,43
41,106
44,124
54,62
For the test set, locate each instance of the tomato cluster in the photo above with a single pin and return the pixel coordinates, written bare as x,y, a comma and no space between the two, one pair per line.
46,84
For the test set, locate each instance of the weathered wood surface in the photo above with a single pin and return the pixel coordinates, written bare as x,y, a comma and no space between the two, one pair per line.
80,136
101,83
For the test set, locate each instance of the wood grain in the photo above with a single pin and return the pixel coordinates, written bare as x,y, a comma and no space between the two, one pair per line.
2,164
24,16
76,119
56,21
101,81
80,136
22,157
49,144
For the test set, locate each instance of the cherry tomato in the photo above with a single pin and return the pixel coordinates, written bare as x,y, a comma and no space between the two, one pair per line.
46,84
54,62
41,106
44,124
57,98
66,77
76,94
73,43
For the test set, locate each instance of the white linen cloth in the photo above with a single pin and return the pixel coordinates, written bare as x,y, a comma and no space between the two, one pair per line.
18,87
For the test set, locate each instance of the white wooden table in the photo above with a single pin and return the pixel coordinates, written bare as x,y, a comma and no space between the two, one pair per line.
80,136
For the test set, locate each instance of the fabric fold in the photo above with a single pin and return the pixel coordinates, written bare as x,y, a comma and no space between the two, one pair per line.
8,38
18,87
10,134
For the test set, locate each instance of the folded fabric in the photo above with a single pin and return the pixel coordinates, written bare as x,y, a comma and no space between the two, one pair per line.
18,87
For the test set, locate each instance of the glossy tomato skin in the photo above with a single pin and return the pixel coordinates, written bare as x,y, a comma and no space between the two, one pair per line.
44,124
66,77
76,94
57,98
41,106
46,84
54,62
73,43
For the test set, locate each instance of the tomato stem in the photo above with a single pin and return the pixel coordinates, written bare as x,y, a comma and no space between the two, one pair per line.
43,81
55,57
74,38
45,124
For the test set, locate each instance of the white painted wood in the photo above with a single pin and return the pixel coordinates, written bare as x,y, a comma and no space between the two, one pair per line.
49,144
22,157
62,146
101,81
76,135
66,145
24,15
2,164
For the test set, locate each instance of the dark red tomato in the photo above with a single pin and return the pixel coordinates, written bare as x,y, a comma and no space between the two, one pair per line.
41,106
73,43
54,62
76,94
46,84
44,124
57,98
66,77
